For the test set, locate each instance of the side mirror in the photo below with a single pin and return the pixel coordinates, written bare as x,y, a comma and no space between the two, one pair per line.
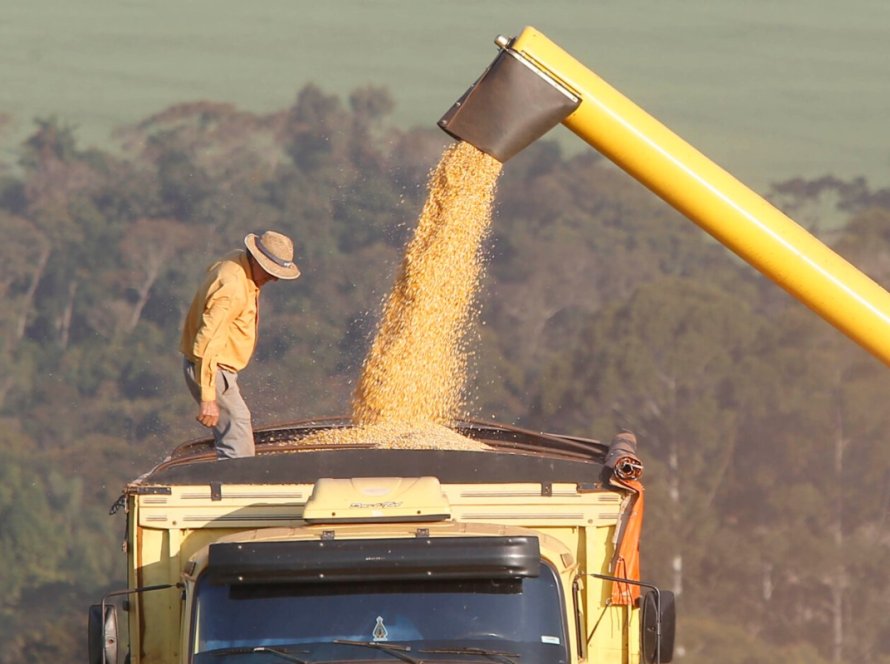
658,622
102,634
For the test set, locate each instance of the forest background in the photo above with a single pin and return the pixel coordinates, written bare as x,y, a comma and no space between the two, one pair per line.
763,430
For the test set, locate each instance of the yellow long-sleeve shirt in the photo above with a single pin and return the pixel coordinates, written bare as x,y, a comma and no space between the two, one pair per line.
221,326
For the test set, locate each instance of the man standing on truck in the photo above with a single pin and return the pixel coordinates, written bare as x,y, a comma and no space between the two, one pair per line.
219,335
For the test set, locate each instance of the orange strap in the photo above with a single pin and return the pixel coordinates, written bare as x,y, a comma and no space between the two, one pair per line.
626,562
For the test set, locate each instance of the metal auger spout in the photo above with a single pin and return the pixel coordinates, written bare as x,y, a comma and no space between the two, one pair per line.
513,104
534,84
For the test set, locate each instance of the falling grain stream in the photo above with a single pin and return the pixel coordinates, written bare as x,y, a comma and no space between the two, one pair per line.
412,384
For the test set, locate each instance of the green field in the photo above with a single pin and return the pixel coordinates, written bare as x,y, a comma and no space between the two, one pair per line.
770,90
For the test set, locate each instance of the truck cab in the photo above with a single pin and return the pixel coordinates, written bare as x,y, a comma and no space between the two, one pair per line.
513,550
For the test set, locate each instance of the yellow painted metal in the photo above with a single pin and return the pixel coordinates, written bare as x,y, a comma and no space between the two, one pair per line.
735,215
170,533
157,614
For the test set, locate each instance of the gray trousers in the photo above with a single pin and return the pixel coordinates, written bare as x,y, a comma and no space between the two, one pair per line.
233,434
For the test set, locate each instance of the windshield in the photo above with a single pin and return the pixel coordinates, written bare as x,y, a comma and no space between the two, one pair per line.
522,617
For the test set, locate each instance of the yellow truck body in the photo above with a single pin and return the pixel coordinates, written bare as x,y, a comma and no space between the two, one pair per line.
351,553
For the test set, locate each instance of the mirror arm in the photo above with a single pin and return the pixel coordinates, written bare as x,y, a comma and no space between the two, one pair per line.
130,591
619,579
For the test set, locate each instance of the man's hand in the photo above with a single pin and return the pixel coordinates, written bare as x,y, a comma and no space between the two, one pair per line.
208,415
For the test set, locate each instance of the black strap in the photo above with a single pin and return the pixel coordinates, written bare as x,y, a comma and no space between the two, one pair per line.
272,257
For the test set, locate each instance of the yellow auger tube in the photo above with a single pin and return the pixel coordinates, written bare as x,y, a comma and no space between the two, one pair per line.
734,214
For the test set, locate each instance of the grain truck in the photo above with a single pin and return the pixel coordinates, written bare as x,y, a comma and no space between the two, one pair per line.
522,548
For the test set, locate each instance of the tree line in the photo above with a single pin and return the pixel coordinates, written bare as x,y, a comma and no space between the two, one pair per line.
763,430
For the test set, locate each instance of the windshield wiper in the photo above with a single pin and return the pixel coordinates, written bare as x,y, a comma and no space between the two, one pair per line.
281,653
510,657
394,649
242,650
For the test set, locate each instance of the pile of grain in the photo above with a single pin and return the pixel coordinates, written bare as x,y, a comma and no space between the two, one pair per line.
412,382
397,435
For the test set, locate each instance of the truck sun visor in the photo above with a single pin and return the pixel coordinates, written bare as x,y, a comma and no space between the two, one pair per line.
511,105
374,559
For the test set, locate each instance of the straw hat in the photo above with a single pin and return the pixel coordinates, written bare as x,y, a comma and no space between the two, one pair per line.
274,252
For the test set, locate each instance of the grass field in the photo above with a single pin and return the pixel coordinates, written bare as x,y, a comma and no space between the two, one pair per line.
769,90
